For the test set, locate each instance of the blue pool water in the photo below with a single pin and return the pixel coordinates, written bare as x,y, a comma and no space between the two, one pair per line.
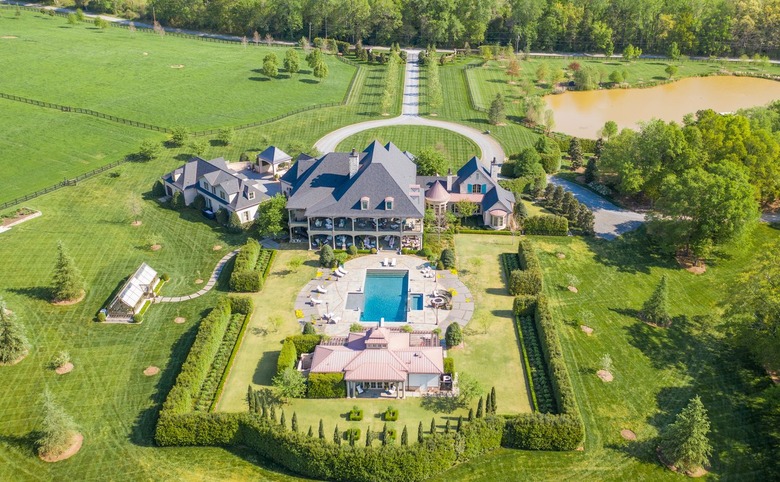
416,300
385,295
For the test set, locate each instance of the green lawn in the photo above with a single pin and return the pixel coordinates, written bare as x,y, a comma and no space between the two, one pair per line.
114,405
40,147
456,148
491,352
137,75
656,370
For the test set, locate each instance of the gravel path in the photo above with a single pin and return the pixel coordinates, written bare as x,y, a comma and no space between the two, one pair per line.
611,221
489,147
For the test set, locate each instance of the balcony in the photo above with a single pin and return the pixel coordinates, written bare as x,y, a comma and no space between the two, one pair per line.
389,224
365,224
342,224
413,225
320,224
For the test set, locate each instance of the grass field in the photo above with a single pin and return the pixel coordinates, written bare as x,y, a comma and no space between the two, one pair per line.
456,148
40,147
114,405
656,370
138,75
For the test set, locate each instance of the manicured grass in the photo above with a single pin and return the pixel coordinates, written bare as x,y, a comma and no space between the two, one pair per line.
41,147
456,148
110,399
656,370
490,353
136,75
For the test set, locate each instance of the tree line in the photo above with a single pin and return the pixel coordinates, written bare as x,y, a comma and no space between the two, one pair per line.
707,27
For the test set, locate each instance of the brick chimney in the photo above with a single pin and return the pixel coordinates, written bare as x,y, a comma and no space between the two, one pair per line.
354,163
450,179
494,169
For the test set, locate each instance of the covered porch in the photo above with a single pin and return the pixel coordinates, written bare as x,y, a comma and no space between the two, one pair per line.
376,389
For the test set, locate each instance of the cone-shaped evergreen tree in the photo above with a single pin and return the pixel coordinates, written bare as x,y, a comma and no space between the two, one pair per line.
493,405
405,436
479,408
684,443
57,428
460,423
575,153
310,433
337,436
273,413
295,422
471,414
283,421
487,404
322,431
420,436
656,309
433,426
384,435
447,426
369,437
13,341
67,282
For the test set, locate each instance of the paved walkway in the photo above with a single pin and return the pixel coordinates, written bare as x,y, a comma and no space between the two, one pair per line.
211,283
611,221
489,147
334,300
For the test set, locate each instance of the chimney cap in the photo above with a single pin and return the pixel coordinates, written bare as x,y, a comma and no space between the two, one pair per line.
494,160
354,151
449,171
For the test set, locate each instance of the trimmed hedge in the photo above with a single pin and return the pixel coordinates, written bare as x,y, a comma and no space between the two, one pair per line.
390,415
252,266
304,343
525,282
546,224
526,254
326,385
449,365
242,304
537,431
287,356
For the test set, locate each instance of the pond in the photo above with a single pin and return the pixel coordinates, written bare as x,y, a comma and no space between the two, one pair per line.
582,114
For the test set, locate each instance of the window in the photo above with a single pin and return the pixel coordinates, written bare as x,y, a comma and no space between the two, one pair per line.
476,188
251,195
213,190
389,204
364,203
497,221
246,216
205,185
222,194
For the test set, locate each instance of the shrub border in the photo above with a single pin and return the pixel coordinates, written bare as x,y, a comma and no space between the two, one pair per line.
226,373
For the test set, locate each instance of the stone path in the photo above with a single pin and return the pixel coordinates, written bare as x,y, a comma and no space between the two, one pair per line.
211,283
489,147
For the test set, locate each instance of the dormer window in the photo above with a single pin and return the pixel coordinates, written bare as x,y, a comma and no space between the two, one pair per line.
222,194
205,185
389,203
251,195
364,203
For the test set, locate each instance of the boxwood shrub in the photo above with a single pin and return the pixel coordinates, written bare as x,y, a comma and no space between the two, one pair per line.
304,343
355,415
391,414
251,267
449,365
546,224
527,282
242,304
287,357
326,385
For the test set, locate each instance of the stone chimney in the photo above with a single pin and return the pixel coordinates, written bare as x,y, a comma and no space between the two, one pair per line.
494,169
354,163
450,179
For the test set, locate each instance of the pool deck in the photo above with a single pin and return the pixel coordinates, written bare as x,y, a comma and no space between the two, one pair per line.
334,300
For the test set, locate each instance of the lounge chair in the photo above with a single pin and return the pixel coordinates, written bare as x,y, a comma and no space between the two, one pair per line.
341,270
320,289
386,262
359,389
392,262
335,319
338,273
315,301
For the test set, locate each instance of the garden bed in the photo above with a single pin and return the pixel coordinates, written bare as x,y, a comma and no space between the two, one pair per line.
211,384
19,216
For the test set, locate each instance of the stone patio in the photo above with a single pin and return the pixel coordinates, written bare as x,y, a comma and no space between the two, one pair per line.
334,301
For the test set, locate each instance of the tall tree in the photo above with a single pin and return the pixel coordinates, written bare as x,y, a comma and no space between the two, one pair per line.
497,111
272,216
270,66
575,153
684,443
321,70
656,308
13,341
430,162
57,429
67,285
292,63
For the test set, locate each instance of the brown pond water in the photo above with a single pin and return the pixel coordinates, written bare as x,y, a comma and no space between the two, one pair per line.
582,114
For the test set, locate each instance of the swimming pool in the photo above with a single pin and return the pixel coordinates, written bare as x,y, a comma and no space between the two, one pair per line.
386,292
416,301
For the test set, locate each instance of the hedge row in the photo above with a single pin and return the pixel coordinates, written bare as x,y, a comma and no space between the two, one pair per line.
287,357
252,266
546,224
523,271
181,398
208,389
304,343
525,282
326,385
526,254
539,431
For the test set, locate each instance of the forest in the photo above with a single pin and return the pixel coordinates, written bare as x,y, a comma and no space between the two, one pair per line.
697,27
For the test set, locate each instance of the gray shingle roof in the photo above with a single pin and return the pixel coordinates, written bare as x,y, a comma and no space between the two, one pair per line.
216,173
274,155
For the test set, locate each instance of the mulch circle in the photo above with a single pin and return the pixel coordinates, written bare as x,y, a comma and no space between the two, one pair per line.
198,281
216,247
136,223
700,472
66,368
151,370
155,247
586,329
628,434
573,289
605,375
77,440
14,362
561,256
179,320
70,302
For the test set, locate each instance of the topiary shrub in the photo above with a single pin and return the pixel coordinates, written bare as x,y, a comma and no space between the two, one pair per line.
308,328
425,252
242,304
158,189
448,258
177,200
101,317
439,265
326,256
222,216
527,282
355,415
234,224
287,357
373,250
138,318
454,335
390,415
199,202
165,277
352,250
352,433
